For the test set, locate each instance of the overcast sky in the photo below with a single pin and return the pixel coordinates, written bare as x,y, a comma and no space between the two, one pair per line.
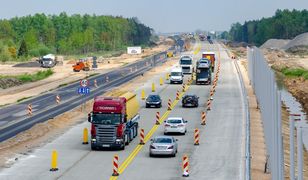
162,15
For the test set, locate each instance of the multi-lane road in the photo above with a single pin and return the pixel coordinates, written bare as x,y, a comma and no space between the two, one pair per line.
220,154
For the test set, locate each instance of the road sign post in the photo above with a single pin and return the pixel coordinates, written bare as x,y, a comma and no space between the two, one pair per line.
84,90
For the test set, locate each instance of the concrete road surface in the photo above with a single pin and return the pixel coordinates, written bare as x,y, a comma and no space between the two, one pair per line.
219,156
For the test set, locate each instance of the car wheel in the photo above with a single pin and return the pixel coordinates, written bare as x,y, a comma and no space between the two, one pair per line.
93,148
173,155
165,133
150,154
146,106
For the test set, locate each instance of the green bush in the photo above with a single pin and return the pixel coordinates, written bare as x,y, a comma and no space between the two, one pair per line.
35,77
295,72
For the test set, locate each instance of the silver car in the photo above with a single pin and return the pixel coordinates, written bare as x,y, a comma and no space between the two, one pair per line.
163,145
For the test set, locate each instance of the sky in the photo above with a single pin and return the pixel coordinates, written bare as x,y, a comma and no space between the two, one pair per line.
161,15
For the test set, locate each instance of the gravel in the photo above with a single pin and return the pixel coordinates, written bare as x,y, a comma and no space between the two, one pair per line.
275,44
299,41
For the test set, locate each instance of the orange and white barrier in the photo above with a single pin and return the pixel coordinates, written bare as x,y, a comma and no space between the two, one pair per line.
58,99
177,95
209,105
183,87
141,137
95,83
157,118
196,137
169,104
115,165
185,166
203,118
29,109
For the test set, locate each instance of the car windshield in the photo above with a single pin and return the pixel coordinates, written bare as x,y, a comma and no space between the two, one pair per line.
153,98
176,73
186,61
203,73
174,121
162,140
108,119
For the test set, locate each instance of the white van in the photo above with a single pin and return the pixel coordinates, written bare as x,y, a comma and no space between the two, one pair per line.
176,76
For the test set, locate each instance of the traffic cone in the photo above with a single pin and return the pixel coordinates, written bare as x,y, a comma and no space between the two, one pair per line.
185,166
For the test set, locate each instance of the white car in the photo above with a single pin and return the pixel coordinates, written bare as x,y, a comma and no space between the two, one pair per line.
176,76
175,125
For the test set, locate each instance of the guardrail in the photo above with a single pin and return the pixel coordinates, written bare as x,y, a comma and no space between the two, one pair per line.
263,81
247,127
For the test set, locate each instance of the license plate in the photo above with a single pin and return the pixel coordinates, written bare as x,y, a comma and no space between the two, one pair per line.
106,145
161,147
152,105
173,126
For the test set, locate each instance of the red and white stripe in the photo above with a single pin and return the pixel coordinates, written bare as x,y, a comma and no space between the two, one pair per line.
29,109
196,137
169,104
209,105
157,118
141,137
177,95
185,166
183,87
95,83
58,99
203,118
115,165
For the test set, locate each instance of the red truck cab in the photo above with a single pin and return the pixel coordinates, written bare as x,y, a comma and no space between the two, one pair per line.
110,127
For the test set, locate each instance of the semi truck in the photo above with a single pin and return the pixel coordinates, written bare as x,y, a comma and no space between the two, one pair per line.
48,61
203,71
186,64
211,57
114,121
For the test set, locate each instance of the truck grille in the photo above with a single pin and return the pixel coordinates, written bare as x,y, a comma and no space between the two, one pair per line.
105,134
186,69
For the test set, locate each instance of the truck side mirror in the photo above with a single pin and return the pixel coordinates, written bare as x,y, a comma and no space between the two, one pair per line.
90,117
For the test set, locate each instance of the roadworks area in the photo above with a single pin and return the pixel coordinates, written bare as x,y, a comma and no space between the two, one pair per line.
26,142
63,74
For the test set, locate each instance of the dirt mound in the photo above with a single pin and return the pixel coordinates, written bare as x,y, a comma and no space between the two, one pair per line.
9,82
300,40
275,44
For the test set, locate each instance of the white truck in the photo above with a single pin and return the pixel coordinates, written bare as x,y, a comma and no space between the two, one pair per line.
48,61
176,76
186,64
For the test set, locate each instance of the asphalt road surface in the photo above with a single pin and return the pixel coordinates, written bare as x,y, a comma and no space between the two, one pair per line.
220,154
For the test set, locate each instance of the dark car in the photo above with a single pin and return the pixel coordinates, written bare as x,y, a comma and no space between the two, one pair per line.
153,101
190,101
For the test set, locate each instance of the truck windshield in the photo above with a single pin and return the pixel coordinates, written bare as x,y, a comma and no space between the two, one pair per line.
204,73
107,119
185,61
176,74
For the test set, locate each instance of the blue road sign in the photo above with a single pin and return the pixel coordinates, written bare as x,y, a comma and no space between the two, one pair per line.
84,90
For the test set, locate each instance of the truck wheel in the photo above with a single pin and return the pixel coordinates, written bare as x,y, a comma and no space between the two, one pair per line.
123,147
126,139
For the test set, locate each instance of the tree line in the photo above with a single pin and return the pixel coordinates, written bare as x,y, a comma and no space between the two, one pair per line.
40,34
285,24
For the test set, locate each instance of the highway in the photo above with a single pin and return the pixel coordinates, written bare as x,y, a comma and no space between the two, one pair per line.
14,118
220,154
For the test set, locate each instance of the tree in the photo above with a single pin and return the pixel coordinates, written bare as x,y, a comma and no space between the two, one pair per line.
23,50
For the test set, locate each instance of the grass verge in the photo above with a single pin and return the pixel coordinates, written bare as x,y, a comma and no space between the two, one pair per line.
24,78
295,72
24,98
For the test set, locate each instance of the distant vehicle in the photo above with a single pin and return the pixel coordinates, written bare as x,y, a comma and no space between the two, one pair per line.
202,37
190,101
186,64
48,61
176,76
114,121
211,57
175,125
163,145
203,71
153,101
85,66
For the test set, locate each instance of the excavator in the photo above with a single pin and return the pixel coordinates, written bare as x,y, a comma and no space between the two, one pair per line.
81,65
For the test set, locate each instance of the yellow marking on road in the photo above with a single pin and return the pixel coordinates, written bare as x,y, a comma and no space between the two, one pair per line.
135,152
